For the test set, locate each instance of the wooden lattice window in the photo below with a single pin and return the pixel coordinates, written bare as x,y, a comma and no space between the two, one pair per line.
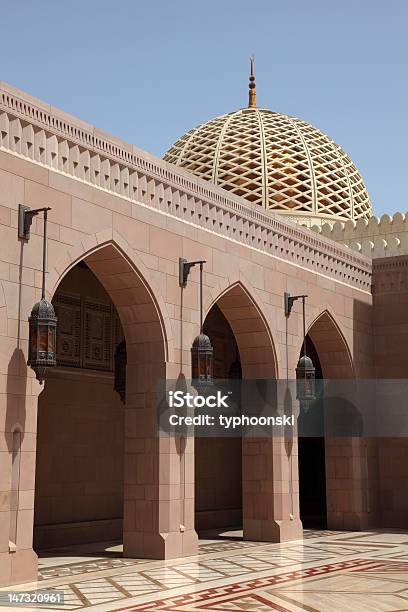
88,332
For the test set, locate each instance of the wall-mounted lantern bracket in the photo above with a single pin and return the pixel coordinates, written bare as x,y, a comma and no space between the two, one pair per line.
25,219
184,270
288,301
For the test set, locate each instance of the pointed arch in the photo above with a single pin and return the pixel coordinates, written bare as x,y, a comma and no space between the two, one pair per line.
126,279
251,330
332,347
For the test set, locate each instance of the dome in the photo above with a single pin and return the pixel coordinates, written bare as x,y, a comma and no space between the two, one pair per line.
202,342
305,363
43,310
276,161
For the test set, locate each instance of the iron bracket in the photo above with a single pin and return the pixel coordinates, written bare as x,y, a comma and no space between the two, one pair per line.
288,301
184,270
25,219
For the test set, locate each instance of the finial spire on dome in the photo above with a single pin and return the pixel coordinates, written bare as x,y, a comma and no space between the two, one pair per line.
252,91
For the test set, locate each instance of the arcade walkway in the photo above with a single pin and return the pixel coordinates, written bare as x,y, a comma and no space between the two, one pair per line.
364,571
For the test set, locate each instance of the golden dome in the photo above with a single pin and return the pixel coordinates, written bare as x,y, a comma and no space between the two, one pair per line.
279,162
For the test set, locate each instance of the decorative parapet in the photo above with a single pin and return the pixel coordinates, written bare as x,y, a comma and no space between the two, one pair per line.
49,137
375,238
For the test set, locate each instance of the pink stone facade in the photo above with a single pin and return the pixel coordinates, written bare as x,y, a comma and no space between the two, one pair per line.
130,216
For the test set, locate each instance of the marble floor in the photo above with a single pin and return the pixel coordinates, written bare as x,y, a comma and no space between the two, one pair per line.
326,571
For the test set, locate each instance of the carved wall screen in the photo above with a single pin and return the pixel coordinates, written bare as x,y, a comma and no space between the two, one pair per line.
88,332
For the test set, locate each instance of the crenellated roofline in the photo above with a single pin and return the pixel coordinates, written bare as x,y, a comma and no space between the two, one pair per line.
376,237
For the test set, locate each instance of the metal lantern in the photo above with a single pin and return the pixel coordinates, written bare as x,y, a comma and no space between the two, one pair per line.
42,323
202,352
42,338
202,361
120,370
305,370
305,380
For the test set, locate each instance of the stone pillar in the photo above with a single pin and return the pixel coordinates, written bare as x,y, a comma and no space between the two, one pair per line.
270,490
159,475
270,481
18,561
351,483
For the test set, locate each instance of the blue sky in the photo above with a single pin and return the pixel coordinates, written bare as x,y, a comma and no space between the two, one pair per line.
149,71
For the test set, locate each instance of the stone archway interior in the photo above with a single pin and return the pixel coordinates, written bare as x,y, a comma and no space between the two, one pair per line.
80,439
266,504
218,461
312,455
151,515
334,455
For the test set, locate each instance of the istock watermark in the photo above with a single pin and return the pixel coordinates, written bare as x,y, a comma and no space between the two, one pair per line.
179,399
231,422
264,408
222,409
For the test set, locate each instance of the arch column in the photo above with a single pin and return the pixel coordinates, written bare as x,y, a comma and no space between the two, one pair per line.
269,465
159,476
158,518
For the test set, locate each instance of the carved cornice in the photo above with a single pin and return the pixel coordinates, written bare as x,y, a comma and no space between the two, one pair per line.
49,137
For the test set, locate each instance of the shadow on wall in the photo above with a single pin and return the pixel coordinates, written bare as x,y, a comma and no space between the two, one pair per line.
16,395
15,431
288,410
17,375
363,339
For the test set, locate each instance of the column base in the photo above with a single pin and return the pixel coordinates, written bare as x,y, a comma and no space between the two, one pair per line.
273,531
18,567
160,545
352,521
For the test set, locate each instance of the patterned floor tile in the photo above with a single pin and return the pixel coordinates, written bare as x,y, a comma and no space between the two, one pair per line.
365,572
235,594
73,569
225,546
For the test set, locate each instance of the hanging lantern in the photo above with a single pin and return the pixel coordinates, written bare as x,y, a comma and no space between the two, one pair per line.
120,370
305,380
42,338
202,361
202,351
42,323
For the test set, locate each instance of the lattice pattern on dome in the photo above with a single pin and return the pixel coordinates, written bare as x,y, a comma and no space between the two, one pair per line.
196,150
239,159
276,161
